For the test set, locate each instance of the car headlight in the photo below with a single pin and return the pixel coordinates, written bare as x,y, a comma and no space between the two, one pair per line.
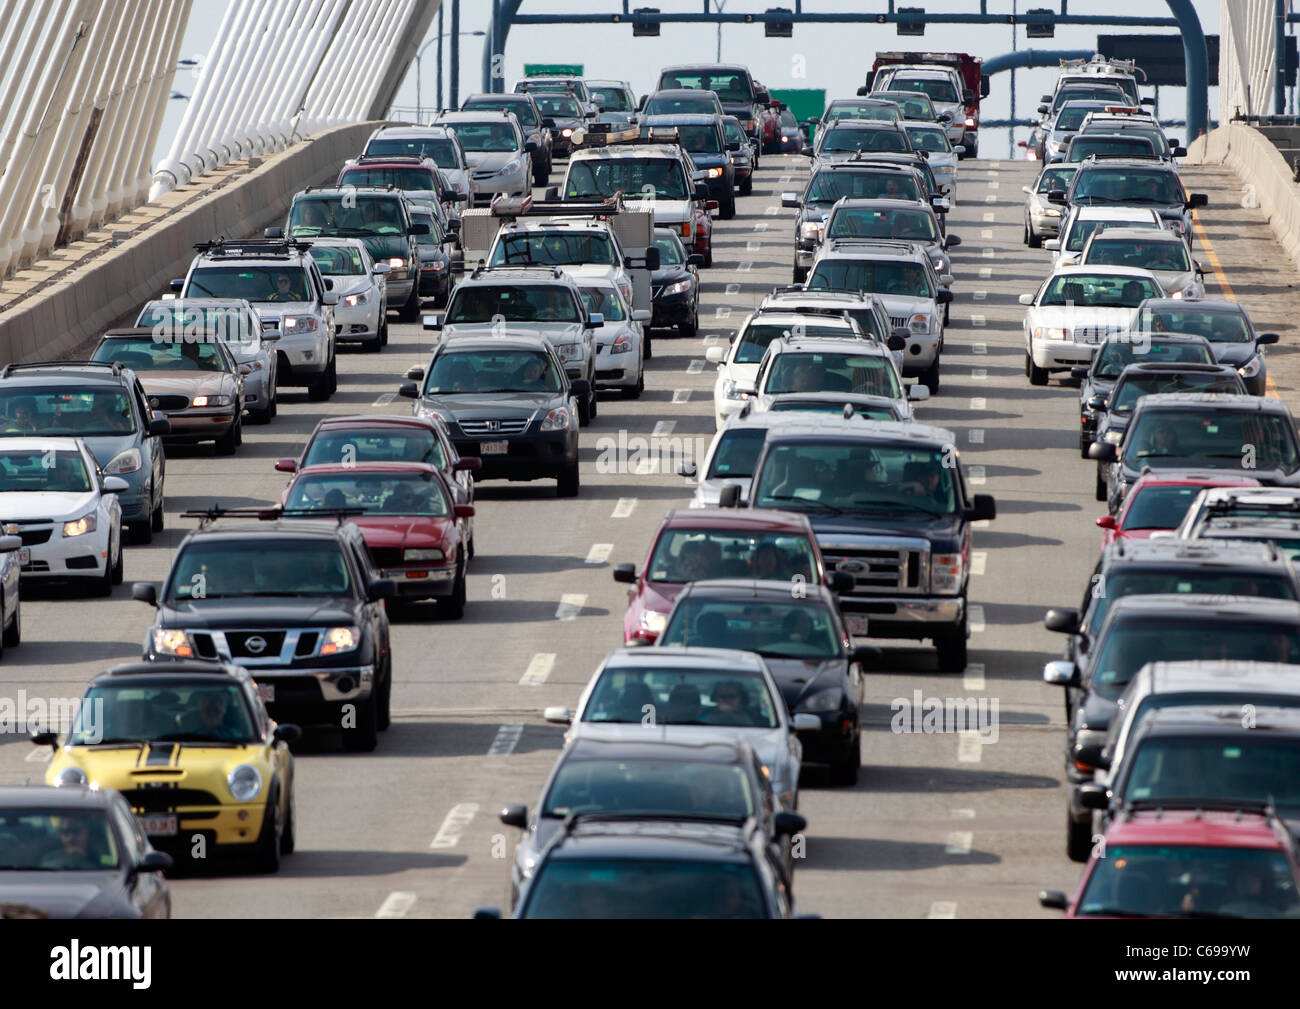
946,572
210,401
566,132
970,122
124,462
397,263
558,419
299,323
681,287
423,555
169,641
1052,212
435,266
70,776
340,639
810,230
79,527
1113,437
622,345
569,351
919,323
353,300
713,173
245,782
748,124
1251,368
654,622
730,392
1050,333
824,700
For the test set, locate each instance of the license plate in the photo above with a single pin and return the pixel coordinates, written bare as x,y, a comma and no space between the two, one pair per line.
24,557
856,625
266,691
158,824
493,447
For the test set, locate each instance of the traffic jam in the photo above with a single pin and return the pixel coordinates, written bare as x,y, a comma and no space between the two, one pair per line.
545,244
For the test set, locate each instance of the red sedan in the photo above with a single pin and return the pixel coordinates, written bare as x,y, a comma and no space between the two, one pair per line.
699,544
1158,501
409,520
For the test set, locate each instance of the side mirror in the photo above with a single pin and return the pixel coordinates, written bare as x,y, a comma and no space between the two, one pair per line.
383,588
548,122
986,86
945,279
863,91
701,192
552,194
1091,794
1264,338
159,426
271,335
1061,674
558,715
943,296
806,151
1027,190
1042,110
580,387
273,232
640,102
115,485
155,861
1197,200
695,259
841,582
983,508
287,733
448,195
8,544
464,511
145,592
432,322
1106,522
1079,371
415,374
1056,196
896,342
1097,402
1090,754
1062,620
1178,152
1147,101
712,205
408,390
625,573
177,283
715,355
959,149
642,315
515,816
952,241
381,269
918,393
1103,451
487,912
1054,899
246,369
790,200
418,228
785,824
944,117
45,738
967,96
688,469
329,298
468,463
530,146
730,496
805,723
733,145
652,258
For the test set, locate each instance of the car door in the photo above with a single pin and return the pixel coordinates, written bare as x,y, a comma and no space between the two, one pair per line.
151,446
147,891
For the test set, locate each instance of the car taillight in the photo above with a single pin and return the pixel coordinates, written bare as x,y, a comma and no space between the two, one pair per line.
686,229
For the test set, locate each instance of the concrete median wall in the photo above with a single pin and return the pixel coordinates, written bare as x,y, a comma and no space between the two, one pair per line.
1268,180
69,316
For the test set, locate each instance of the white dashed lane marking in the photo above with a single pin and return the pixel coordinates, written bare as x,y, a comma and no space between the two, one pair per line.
681,395
969,748
973,679
663,428
538,670
571,604
385,399
959,842
977,436
599,553
623,508
507,738
454,825
978,403
396,904
978,560
943,909
695,367
976,612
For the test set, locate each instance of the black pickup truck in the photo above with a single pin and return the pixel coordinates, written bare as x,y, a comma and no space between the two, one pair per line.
890,506
296,602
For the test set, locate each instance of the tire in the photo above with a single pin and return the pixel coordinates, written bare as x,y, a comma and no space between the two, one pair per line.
689,329
568,482
594,407
799,274
229,441
846,772
118,566
266,856
930,377
13,634
384,716
103,584
364,737
318,389
1078,838
729,208
708,256
634,391
1083,448
288,839
333,371
453,607
1032,239
952,647
1037,375
649,351
410,311
947,318
383,328
273,406
747,186
1099,490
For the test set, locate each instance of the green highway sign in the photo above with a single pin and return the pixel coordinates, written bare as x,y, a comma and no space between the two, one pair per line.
552,69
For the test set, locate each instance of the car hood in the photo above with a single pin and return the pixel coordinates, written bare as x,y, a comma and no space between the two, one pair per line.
745,373
799,678
898,304
771,745
186,765
183,383
913,524
57,894
20,505
472,406
665,211
494,161
352,284
402,531
252,611
569,122
671,275
1081,316
1097,712
658,597
710,160
1233,354
555,332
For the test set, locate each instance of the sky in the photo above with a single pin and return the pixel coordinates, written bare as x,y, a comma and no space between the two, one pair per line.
833,57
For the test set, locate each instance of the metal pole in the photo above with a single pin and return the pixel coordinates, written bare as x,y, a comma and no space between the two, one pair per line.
719,5
1011,144
454,84
1279,56
1198,66
439,61
418,56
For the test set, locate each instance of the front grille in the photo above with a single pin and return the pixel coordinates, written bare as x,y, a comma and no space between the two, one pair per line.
82,563
306,644
510,425
386,557
899,321
166,799
168,403
36,567
270,324
238,644
656,291
35,537
204,645
885,569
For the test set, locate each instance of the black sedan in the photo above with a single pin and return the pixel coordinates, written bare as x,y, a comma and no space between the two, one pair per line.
800,635
675,287
77,853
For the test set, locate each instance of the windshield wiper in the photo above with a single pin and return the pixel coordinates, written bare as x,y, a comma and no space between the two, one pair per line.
197,737
805,501
886,506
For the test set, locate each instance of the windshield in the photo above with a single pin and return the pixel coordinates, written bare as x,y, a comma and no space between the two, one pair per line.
734,134
613,100
1241,768
420,179
672,695
908,280
785,630
554,248
871,222
677,105
375,493
700,138
692,555
912,106
929,138
1160,507
1214,438
349,214
360,446
1161,255
1098,290
251,283
604,301
1076,93
1133,387
728,87
867,374
521,109
1116,354
146,354
481,371
1133,643
1178,880
342,260
644,888
1186,580
1217,327
840,139
55,471
1055,178
488,137
604,177
513,303
785,404
830,185
880,111
1082,230
1085,144
938,89
558,106
1145,186
736,454
97,413
651,786
221,567
1072,115
165,711
851,477
60,840
671,252
443,151
1158,142
756,337
173,320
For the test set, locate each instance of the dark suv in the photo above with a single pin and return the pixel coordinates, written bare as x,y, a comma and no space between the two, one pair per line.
741,96
1127,181
63,398
296,602
705,139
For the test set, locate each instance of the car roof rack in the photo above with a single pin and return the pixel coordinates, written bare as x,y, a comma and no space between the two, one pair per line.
9,369
252,248
397,159
1125,157
617,134
525,206
1266,807
268,513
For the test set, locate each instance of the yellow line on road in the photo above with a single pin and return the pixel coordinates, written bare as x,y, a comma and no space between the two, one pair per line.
1270,389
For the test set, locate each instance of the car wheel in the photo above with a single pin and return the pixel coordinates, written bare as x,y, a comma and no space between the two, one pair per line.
384,716
595,402
1100,489
708,256
118,565
1032,239
410,311
799,274
334,375
266,858
1084,443
229,441
1037,375
729,208
1078,838
951,646
747,186
103,584
288,841
689,329
634,391
947,317
318,389
273,406
13,633
930,377
383,328
846,772
567,483
649,346
363,737
453,607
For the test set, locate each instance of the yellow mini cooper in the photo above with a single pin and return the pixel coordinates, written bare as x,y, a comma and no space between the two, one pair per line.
190,746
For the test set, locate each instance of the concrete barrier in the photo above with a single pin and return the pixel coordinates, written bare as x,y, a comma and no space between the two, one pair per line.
69,316
1268,181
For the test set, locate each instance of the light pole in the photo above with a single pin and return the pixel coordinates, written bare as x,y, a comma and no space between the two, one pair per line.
717,7
419,82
